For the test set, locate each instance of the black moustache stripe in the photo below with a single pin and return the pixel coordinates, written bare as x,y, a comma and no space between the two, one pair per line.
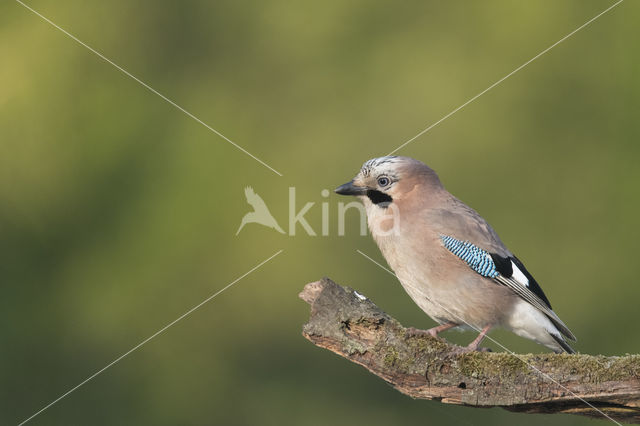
378,197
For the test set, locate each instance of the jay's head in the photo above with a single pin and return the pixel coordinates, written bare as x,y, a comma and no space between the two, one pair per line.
384,180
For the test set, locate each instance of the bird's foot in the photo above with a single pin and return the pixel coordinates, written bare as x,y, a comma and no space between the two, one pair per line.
459,350
433,332
475,345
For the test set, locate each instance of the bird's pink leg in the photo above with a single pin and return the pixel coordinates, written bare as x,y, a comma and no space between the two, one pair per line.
433,332
473,346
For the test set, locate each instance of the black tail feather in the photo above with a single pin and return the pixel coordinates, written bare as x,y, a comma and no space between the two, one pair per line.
563,344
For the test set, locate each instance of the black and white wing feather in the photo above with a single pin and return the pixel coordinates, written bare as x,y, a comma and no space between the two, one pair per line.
514,275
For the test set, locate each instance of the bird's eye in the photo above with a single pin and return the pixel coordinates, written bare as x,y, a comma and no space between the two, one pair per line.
383,181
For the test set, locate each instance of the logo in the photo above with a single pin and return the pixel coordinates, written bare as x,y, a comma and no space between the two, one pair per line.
260,213
383,222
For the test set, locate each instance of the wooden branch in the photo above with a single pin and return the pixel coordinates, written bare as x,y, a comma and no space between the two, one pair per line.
424,367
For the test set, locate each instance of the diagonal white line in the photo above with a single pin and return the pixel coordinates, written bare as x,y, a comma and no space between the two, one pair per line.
505,77
146,86
543,374
149,338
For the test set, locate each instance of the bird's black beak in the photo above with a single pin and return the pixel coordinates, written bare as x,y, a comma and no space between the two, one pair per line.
350,188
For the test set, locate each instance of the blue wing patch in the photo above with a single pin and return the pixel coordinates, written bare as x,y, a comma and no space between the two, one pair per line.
479,260
501,268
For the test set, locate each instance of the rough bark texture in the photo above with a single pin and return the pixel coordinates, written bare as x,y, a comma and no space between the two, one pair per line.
352,326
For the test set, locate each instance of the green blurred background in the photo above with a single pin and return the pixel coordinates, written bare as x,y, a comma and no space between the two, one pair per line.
118,213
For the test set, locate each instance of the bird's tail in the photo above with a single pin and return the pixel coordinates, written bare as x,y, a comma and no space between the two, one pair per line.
562,343
242,224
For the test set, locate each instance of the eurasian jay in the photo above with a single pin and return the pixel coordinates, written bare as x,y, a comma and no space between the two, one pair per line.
448,258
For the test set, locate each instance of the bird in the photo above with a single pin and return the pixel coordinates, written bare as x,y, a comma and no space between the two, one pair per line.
260,213
448,259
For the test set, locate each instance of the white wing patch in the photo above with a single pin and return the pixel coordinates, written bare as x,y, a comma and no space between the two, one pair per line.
518,275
